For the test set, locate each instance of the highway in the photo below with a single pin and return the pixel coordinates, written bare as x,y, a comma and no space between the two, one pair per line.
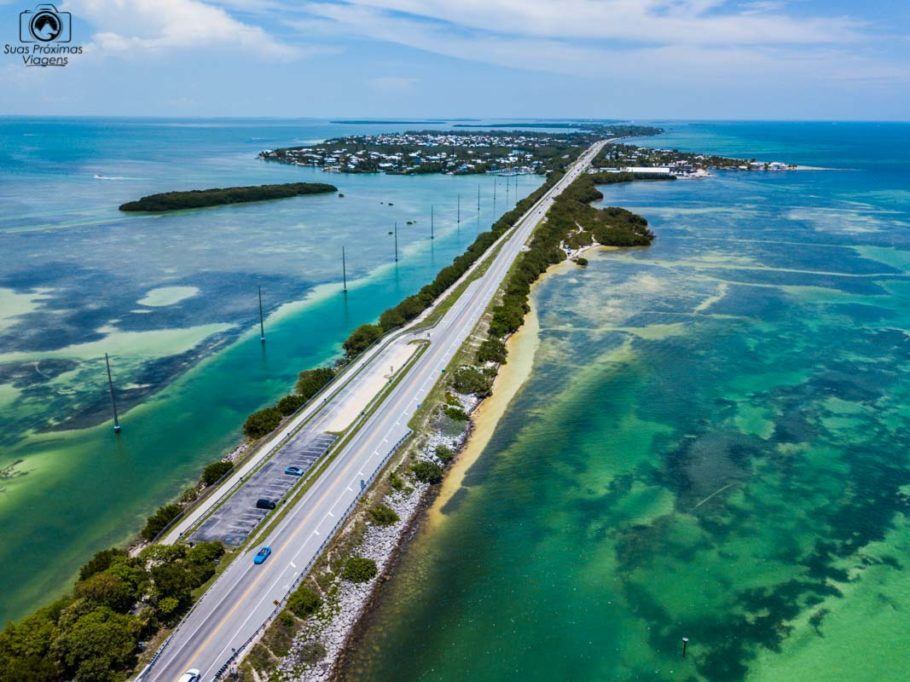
244,598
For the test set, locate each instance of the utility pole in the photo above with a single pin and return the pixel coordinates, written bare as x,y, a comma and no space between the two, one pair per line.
478,200
494,196
396,242
261,322
344,271
110,385
432,233
459,210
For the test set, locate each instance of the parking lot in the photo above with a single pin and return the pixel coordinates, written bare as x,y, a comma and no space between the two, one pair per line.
233,521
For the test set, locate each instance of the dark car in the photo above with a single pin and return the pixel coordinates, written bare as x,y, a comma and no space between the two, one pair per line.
263,503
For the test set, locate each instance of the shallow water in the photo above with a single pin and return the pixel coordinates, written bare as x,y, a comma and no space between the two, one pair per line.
713,445
173,299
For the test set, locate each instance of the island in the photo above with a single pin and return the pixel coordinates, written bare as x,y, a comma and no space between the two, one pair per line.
649,162
200,198
454,153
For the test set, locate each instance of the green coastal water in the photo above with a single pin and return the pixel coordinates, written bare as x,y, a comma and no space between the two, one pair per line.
173,300
713,444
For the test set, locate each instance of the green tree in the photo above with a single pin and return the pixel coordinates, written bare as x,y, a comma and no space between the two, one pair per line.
100,562
215,471
158,521
492,350
108,589
361,339
469,379
311,381
99,644
289,404
262,422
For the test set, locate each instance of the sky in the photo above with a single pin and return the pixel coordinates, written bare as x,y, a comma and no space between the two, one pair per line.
630,59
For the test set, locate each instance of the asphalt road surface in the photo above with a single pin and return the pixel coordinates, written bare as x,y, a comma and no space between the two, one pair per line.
244,597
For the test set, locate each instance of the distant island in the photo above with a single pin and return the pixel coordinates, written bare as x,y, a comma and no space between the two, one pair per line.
462,152
200,198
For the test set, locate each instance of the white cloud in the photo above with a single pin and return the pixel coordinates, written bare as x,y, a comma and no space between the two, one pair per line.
655,39
156,25
698,22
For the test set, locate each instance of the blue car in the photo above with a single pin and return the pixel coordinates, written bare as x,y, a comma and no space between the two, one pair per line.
293,471
262,555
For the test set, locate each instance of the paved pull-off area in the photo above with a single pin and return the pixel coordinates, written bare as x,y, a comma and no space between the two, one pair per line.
244,597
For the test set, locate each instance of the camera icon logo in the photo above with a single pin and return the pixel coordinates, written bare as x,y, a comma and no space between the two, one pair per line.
44,24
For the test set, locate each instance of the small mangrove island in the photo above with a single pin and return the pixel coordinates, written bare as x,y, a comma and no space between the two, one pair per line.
201,198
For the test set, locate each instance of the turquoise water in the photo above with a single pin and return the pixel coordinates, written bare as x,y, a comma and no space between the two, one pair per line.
713,444
172,298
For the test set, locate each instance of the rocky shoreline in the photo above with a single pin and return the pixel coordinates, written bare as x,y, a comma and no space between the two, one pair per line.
331,631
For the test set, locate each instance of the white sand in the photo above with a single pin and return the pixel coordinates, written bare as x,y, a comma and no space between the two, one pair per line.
368,384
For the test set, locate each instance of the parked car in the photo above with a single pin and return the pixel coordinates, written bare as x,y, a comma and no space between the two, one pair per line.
191,675
262,555
263,503
293,471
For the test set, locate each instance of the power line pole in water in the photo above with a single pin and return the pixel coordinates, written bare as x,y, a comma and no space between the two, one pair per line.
261,321
494,196
432,233
459,211
344,271
396,242
685,643
110,386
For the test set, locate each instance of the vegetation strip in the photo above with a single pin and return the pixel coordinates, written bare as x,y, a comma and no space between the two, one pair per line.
202,198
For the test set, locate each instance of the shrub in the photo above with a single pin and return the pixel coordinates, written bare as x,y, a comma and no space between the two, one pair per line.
395,481
304,602
456,413
312,652
361,339
427,472
583,262
359,569
383,515
471,380
444,453
262,423
158,521
492,350
215,471
311,381
289,404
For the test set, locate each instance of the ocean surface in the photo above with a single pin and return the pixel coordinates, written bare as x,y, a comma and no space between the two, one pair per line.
173,299
714,444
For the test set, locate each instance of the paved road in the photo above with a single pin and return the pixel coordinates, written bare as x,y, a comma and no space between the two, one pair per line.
244,597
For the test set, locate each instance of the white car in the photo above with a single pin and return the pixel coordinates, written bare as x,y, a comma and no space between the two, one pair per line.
191,675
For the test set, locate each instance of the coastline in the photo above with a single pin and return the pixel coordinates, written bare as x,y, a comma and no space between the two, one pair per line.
427,514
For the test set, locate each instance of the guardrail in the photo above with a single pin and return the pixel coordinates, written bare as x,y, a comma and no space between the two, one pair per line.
312,562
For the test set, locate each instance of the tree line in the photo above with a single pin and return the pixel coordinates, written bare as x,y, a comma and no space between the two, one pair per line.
200,198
